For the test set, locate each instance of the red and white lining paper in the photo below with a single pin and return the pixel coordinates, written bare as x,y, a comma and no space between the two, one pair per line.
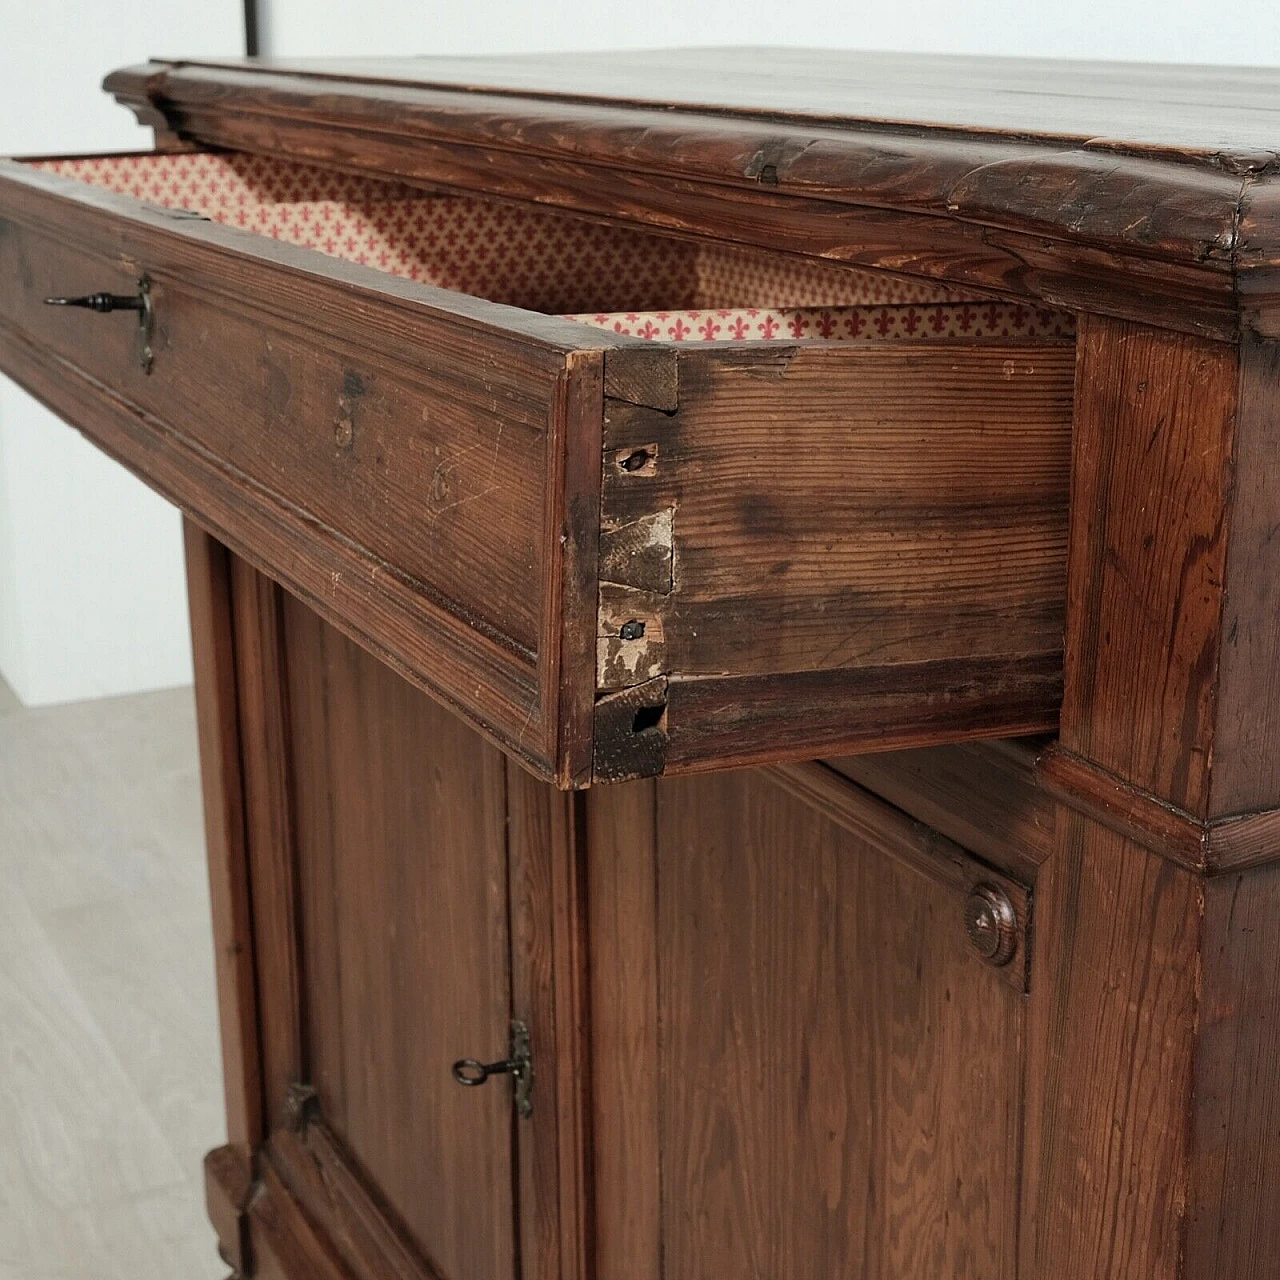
839,324
618,278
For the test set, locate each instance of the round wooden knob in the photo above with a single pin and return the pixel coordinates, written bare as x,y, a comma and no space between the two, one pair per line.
991,923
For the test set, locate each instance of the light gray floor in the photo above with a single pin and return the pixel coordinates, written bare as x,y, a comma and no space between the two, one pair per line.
109,1072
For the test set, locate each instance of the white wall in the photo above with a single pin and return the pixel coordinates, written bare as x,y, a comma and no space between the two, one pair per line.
92,599
1142,30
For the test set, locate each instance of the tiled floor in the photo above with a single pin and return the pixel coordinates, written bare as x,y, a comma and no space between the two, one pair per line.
109,1073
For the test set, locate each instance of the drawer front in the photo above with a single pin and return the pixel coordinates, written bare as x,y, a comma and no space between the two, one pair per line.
395,454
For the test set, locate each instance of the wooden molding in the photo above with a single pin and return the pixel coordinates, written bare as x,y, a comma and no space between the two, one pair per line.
324,1183
222,786
1209,846
911,843
229,1186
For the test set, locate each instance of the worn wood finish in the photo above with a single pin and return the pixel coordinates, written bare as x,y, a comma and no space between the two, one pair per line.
983,795
452,520
401,845
285,1243
625,1029
839,1073
1155,418
1231,1225
336,1197
549,991
819,529
1210,846
1112,1045
269,830
209,592
229,1185
912,844
772,1032
1125,203
393,527
1247,736
811,508
1152,1099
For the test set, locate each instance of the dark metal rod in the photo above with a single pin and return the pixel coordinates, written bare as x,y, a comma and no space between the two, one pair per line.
251,39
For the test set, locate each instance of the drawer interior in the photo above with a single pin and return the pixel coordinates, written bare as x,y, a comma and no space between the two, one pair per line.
632,281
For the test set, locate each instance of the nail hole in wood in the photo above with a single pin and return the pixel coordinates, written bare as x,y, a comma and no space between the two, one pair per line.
647,718
635,461
632,630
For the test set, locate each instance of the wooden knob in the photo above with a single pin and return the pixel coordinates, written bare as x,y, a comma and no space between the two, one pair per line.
991,923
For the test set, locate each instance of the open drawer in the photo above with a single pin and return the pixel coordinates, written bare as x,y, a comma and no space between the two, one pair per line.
629,503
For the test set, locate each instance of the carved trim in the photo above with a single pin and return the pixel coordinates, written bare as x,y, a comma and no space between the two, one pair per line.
919,847
1237,842
228,1188
322,1184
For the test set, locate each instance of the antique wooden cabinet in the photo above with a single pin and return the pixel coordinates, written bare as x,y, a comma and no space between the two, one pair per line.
737,588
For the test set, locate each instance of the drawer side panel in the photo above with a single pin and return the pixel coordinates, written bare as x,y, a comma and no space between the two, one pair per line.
393,453
827,549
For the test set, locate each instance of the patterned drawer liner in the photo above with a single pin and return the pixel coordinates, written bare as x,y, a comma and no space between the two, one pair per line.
615,277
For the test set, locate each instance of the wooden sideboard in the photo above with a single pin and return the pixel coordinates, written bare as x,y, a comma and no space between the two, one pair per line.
739,589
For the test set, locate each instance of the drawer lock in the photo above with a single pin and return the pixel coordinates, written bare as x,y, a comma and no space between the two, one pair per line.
103,303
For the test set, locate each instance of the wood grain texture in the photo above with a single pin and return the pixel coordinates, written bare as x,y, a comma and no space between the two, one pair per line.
402,873
845,508
825,553
917,165
1247,736
209,595
450,522
284,1242
351,1215
1231,1224
1151,1090
229,1185
840,1076
266,760
1110,105
549,990
1155,419
626,1118
1117,953
982,795
718,723
446,479
1127,810
909,843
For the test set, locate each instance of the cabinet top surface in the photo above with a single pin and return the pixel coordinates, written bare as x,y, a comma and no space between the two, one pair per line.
1200,111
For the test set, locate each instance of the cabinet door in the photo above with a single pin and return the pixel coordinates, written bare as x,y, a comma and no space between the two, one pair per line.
377,869
803,1067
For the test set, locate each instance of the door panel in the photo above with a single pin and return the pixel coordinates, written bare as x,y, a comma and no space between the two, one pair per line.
804,1068
403,956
